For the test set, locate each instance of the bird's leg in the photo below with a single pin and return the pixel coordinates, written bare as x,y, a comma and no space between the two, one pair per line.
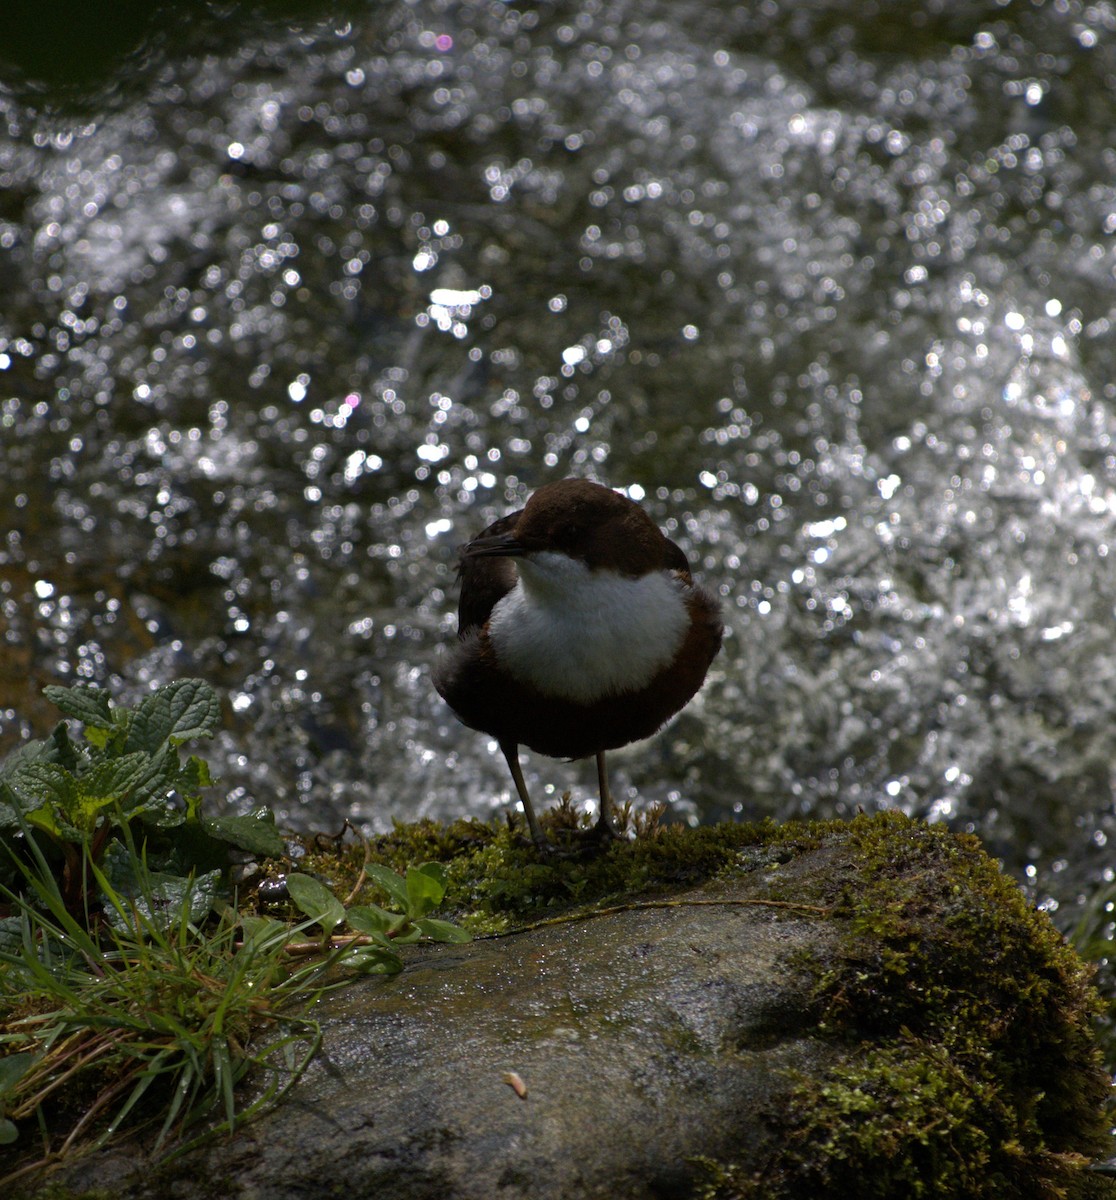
511,753
605,826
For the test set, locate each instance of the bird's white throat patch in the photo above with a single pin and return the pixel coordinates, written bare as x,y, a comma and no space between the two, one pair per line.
582,634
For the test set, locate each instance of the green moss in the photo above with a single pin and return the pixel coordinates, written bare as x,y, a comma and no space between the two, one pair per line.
507,884
962,1021
498,880
905,1120
972,1068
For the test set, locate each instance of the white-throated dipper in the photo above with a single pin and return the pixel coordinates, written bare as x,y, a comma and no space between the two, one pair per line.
580,629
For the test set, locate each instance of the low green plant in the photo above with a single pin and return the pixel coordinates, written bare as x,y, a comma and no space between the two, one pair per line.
377,931
74,798
128,982
149,1007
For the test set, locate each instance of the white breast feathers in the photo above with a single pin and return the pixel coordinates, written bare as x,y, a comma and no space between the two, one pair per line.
582,634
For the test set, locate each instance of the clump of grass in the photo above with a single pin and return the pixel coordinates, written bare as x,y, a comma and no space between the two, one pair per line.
131,991
149,1013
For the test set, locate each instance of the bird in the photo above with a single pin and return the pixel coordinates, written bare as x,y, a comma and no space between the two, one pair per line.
580,629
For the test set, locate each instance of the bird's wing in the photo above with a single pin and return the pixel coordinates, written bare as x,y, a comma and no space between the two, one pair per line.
484,580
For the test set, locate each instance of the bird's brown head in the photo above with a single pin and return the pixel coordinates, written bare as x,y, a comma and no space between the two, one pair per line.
591,523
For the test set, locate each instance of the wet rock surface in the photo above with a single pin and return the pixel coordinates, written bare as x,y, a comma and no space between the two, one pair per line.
705,1039
641,1037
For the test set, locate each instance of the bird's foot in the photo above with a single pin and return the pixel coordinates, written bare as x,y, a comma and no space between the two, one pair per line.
538,839
605,830
572,842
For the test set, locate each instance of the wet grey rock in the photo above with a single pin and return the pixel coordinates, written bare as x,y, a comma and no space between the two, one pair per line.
861,1007
643,1037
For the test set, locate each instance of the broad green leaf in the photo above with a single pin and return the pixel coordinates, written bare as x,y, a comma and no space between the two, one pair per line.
442,931
170,898
253,832
10,808
114,779
436,871
11,934
260,930
44,818
8,1132
54,749
374,960
182,845
196,710
392,883
158,779
194,776
80,801
371,919
316,901
87,704
160,898
42,783
407,935
98,738
61,748
12,1069
185,709
55,800
202,893
159,814
151,724
84,817
425,888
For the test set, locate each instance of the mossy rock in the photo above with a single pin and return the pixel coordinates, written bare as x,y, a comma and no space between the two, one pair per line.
865,1008
971,1068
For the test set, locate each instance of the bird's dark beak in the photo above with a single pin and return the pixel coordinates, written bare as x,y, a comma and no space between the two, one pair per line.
500,545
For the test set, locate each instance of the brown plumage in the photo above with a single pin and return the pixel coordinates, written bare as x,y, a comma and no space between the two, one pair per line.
596,639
